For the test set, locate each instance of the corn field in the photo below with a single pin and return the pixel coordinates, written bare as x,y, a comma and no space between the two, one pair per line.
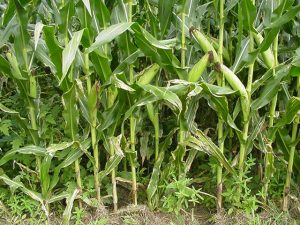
181,103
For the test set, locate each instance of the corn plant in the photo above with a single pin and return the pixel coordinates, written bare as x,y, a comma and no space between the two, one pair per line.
98,95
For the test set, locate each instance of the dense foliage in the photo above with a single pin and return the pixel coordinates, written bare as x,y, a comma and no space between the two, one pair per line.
178,101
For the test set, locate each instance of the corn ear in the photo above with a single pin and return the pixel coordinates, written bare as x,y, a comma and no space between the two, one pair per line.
237,85
204,43
199,68
267,56
148,74
231,78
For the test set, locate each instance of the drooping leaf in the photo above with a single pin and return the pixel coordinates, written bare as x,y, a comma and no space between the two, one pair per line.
17,184
203,143
27,150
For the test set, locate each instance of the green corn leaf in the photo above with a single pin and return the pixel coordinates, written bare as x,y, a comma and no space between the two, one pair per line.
157,51
218,102
58,197
165,15
274,28
128,61
68,210
27,150
152,186
15,70
22,122
249,11
70,113
102,66
120,84
109,116
16,184
23,19
55,50
289,15
230,4
109,34
256,132
64,16
69,53
163,93
44,173
270,89
144,150
101,13
265,77
53,148
71,158
153,20
9,13
150,110
74,154
115,159
8,30
83,101
242,56
291,111
203,143
92,104
42,54
147,99
22,36
154,180
4,66
120,12
283,140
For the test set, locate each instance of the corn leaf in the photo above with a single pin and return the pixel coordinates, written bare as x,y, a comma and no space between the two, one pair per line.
203,143
16,184
27,150
165,15
69,53
68,210
109,34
